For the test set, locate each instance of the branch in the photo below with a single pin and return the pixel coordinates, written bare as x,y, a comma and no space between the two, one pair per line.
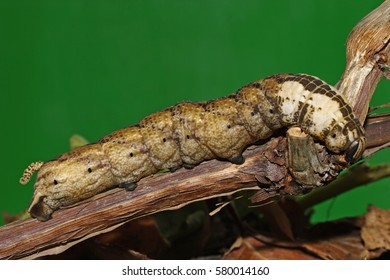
266,165
368,53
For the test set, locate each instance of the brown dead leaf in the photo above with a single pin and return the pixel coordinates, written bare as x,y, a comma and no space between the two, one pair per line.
338,240
375,232
9,218
141,238
252,248
136,240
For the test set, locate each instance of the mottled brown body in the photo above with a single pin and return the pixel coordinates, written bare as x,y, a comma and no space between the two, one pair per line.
189,133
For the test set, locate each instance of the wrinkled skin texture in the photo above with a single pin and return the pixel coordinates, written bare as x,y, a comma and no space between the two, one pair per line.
189,133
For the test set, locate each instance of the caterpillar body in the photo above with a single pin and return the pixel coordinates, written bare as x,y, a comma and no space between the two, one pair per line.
189,133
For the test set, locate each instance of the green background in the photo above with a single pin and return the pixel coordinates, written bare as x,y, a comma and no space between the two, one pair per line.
92,67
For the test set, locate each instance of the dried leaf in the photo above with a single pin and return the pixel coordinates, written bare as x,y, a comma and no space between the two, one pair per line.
9,218
252,248
338,240
141,236
136,240
376,229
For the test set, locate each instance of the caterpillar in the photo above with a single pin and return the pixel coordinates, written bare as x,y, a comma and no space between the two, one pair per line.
188,133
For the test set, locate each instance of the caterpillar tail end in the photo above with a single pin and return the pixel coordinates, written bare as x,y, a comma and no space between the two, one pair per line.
29,172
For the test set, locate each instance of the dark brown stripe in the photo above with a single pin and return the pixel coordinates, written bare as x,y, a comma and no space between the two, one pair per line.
303,112
344,111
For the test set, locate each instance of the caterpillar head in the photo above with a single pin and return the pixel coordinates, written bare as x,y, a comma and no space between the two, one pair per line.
72,177
347,137
355,149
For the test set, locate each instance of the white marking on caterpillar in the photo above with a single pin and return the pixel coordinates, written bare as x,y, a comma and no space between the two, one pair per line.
189,133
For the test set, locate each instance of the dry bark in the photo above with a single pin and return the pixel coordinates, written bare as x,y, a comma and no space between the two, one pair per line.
266,166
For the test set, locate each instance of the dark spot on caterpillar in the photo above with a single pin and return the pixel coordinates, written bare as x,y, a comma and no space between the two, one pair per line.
131,154
188,137
303,81
229,126
327,87
330,93
344,111
310,87
252,113
55,182
326,131
334,135
164,140
348,126
317,82
89,170
271,111
320,91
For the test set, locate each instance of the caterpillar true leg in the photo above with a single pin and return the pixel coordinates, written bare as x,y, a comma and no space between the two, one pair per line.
130,186
238,159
